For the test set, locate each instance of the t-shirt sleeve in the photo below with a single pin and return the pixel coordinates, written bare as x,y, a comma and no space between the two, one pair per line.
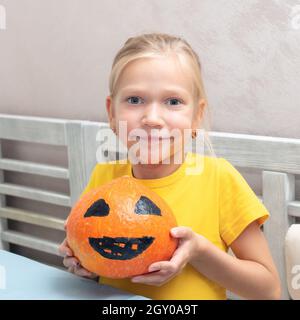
239,205
92,181
101,174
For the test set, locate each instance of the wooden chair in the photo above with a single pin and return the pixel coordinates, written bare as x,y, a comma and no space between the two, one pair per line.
277,158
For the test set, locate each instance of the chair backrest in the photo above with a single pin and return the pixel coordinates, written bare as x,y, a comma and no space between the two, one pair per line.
279,161
277,158
47,131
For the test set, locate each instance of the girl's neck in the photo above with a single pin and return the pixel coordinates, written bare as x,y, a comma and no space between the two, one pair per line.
155,171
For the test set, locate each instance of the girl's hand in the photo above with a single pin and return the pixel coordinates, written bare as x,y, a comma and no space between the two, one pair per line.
73,263
190,245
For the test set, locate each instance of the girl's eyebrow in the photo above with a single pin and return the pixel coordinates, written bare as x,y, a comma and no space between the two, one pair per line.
174,89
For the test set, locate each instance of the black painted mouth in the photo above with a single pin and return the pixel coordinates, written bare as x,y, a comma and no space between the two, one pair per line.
120,248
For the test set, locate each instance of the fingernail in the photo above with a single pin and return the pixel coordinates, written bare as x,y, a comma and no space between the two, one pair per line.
174,232
151,269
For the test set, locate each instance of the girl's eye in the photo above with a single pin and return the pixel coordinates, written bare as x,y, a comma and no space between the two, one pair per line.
174,100
135,100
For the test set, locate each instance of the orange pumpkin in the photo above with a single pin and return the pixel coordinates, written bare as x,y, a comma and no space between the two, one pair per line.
118,229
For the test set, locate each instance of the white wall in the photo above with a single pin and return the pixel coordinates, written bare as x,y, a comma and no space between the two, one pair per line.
55,58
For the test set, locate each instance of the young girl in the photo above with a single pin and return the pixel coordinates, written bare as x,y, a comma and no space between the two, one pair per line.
156,83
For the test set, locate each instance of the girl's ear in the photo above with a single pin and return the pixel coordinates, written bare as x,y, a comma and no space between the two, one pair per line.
198,113
110,112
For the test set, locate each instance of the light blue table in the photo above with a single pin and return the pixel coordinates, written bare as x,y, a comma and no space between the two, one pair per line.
22,278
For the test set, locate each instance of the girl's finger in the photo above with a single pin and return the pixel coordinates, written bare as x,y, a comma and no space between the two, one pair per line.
180,257
163,266
182,232
64,249
82,272
156,278
71,269
65,224
71,262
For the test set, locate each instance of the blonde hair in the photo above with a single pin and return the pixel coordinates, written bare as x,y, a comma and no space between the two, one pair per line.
151,45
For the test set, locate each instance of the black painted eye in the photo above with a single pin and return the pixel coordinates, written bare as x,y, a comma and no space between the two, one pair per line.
146,206
98,209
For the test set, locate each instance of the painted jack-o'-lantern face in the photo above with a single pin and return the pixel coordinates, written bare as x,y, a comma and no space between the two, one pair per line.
120,228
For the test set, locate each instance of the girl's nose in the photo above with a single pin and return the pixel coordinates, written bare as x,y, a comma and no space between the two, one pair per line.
152,116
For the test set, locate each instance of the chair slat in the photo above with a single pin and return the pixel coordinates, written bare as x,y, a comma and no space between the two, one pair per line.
3,222
261,152
30,241
32,218
33,129
35,194
34,168
278,190
294,208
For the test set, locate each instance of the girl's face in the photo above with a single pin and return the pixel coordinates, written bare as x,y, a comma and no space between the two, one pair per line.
154,93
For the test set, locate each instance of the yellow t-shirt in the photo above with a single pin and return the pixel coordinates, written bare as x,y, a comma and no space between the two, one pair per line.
216,203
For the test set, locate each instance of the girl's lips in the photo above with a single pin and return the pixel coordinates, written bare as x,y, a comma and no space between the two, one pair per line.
154,139
150,139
